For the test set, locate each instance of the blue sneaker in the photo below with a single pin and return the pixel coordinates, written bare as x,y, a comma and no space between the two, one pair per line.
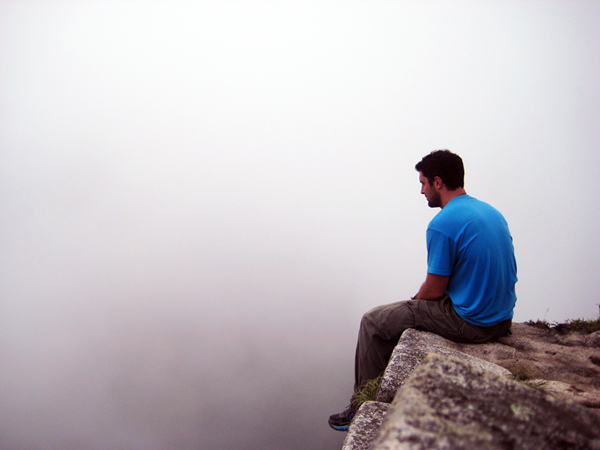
341,421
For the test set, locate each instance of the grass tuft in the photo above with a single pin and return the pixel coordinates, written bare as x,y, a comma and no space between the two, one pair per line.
539,324
582,325
521,374
366,392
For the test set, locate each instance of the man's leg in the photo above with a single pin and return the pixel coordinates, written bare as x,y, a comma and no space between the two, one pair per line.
439,317
380,330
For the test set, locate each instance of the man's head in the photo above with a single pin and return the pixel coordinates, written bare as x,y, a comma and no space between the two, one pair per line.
444,164
441,169
431,191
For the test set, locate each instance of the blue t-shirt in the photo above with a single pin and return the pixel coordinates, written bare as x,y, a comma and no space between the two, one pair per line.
469,241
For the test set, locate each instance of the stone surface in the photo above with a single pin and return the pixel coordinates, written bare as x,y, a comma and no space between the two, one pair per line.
538,354
522,369
562,364
593,340
449,403
412,348
567,392
365,425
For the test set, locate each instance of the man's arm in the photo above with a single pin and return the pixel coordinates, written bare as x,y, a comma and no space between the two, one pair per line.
434,287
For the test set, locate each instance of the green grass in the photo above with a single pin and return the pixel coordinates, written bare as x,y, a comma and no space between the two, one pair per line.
521,374
583,325
366,392
539,324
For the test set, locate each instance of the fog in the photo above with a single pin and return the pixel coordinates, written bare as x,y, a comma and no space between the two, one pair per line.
198,200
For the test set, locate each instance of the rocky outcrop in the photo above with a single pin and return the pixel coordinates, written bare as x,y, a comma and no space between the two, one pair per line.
448,403
412,348
365,425
463,396
561,364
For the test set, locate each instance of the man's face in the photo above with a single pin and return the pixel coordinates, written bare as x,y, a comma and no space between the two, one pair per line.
431,194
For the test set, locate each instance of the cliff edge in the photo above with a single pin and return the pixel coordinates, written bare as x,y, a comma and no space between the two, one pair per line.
537,388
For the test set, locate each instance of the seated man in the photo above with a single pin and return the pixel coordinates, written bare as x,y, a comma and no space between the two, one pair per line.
469,292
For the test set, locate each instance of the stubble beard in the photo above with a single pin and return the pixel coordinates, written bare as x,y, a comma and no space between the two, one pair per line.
435,201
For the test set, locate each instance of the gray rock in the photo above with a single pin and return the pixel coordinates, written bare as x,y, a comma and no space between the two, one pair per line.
574,340
365,425
569,392
412,348
522,369
593,339
449,403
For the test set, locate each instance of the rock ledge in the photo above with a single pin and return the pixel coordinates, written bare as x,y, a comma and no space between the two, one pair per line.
458,396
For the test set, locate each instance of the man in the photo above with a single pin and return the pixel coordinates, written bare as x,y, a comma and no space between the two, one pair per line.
469,291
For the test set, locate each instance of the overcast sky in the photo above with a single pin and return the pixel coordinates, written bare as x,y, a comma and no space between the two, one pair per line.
198,200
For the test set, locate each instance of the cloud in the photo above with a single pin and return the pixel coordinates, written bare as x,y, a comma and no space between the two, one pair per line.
199,200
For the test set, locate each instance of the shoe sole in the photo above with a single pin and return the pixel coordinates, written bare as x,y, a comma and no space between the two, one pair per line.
340,427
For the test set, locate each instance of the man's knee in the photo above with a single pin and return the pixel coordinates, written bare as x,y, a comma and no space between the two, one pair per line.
369,318
375,315
389,318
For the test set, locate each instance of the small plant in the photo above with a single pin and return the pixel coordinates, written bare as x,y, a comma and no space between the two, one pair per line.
366,392
583,325
539,324
521,374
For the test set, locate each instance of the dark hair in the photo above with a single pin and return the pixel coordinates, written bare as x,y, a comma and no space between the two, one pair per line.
444,164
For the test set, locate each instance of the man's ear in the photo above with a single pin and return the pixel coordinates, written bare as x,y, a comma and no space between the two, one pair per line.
438,183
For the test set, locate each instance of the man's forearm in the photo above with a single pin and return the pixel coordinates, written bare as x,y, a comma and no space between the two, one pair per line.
433,288
427,294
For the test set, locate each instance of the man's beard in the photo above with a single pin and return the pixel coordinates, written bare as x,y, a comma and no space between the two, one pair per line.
435,201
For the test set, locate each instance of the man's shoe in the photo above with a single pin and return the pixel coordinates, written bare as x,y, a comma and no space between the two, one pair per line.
341,421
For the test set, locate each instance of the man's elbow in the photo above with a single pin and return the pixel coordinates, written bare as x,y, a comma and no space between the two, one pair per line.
430,294
433,296
439,295
435,286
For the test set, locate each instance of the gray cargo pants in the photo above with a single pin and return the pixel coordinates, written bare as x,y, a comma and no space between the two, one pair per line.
381,328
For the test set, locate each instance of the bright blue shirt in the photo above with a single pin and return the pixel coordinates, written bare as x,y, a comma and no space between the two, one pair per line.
469,241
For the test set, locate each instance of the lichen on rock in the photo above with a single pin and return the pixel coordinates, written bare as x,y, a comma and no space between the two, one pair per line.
448,403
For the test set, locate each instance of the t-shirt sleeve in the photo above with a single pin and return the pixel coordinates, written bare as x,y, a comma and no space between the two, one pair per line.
440,253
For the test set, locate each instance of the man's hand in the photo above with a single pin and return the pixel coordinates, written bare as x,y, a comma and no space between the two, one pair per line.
434,287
